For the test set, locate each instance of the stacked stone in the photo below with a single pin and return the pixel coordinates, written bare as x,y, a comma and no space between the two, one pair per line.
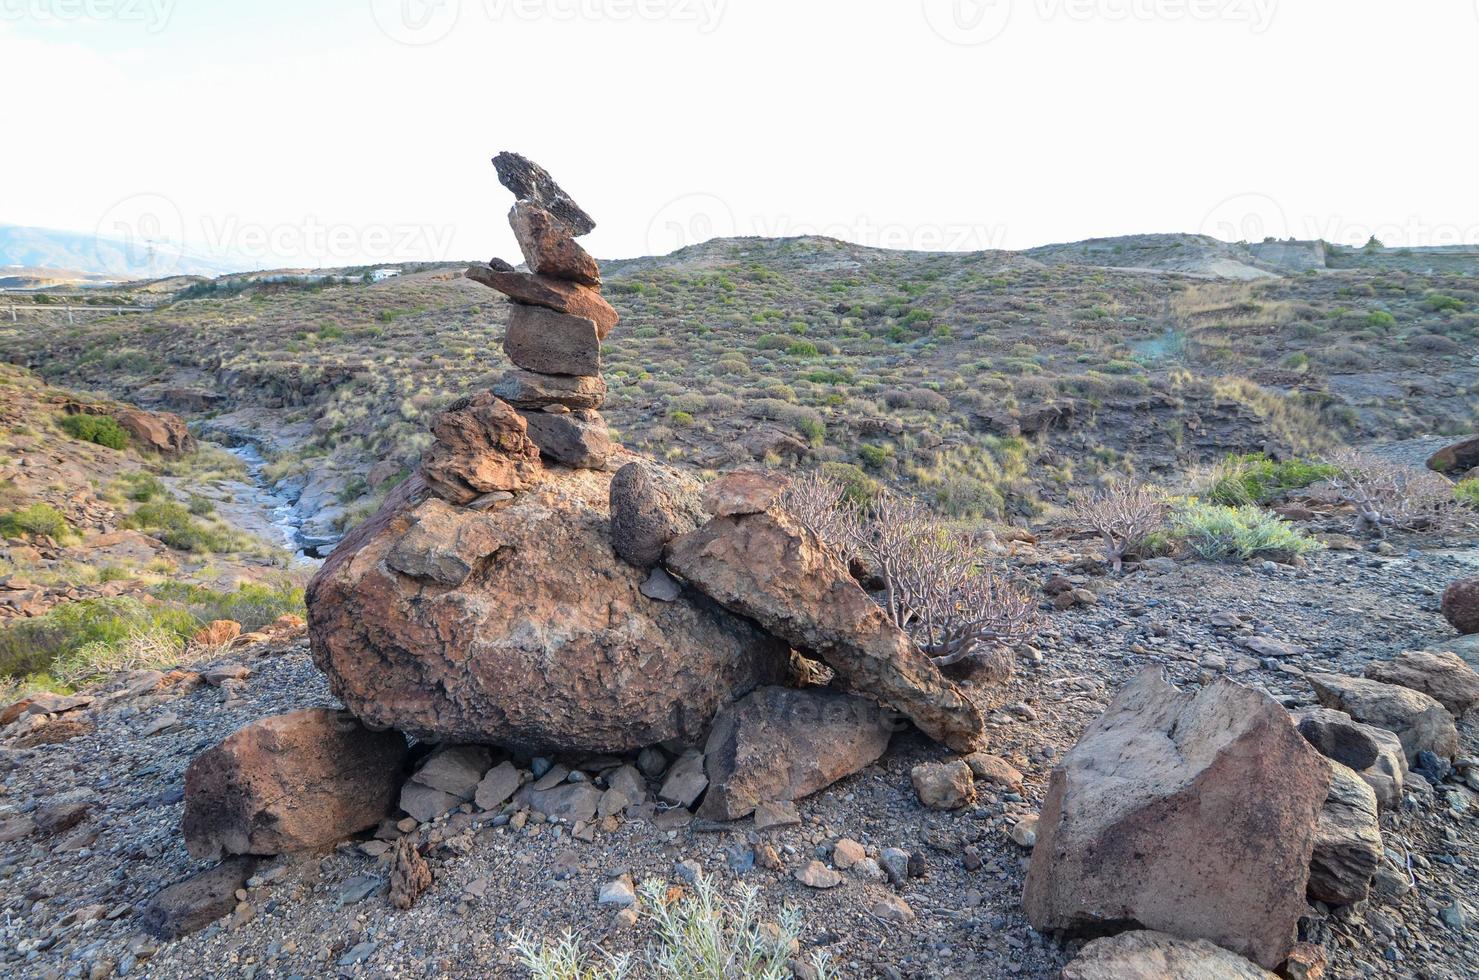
558,320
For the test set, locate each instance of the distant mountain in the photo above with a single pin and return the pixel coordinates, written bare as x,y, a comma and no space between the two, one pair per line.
48,248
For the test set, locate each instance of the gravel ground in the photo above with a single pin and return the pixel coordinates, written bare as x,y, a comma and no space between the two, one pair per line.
70,901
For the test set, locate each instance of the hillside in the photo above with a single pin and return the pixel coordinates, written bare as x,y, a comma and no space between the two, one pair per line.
95,256
991,382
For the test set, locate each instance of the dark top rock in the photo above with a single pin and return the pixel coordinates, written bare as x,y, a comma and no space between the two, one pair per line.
531,182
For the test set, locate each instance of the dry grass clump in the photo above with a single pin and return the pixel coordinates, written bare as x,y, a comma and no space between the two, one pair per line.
1125,515
1387,496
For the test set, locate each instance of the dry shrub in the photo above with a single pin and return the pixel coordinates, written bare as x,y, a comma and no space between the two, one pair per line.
1124,515
1390,496
937,588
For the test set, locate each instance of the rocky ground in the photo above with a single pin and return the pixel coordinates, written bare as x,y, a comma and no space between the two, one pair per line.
91,825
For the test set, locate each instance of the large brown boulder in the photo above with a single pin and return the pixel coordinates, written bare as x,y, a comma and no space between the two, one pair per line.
770,568
162,432
1460,605
1190,814
1419,722
1460,457
1146,955
1441,675
292,782
545,291
548,644
481,445
781,743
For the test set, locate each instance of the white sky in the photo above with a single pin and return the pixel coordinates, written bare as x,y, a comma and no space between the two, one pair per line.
341,131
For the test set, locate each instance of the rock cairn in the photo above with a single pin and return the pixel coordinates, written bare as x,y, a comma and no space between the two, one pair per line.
557,322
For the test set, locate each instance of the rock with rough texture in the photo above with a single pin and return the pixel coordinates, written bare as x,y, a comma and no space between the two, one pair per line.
995,771
409,873
1442,676
1460,605
685,781
781,743
1190,814
1146,955
424,804
292,782
768,567
744,492
579,438
1459,457
944,785
650,505
815,874
547,342
531,182
549,245
192,904
548,646
570,802
1347,840
1419,722
481,445
529,389
162,432
1374,754
543,292
444,544
495,788
455,769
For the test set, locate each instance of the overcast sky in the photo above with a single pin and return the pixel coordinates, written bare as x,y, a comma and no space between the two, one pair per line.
331,133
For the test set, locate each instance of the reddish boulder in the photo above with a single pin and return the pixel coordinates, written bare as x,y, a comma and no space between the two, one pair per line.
1190,814
1460,605
548,644
293,782
1460,457
549,246
161,432
770,568
555,294
481,445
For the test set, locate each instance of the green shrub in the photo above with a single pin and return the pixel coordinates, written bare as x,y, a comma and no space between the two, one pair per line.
59,641
680,417
141,487
1467,492
95,428
1256,479
1219,533
1380,320
967,496
171,522
857,486
875,457
38,519
802,348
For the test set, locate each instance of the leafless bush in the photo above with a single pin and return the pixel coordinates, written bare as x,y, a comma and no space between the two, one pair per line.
936,587
1389,496
1124,515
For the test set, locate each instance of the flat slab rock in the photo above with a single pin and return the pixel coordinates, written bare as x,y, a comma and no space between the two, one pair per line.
1190,814
531,182
555,294
291,782
548,645
766,566
1441,675
1146,955
1419,722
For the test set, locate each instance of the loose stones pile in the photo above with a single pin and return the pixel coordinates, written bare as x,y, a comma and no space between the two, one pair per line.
558,321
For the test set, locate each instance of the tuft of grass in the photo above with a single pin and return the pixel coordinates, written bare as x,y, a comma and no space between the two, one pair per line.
1467,492
100,429
1256,479
173,523
1221,533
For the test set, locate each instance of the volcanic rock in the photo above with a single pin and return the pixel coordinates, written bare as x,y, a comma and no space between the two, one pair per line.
192,904
781,743
739,493
444,543
944,785
292,782
1347,840
531,182
1419,722
1460,605
162,432
549,245
548,647
528,389
1460,457
579,438
1374,754
1442,676
1146,955
544,292
1189,814
547,342
650,505
481,445
409,874
768,567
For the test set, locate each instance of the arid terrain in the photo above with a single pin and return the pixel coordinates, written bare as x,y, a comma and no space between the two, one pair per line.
997,388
